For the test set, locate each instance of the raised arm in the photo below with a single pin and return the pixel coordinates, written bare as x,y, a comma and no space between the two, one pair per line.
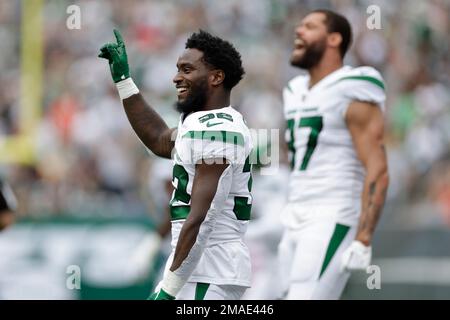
148,125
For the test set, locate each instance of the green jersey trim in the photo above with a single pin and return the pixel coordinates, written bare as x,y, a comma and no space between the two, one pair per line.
373,80
289,88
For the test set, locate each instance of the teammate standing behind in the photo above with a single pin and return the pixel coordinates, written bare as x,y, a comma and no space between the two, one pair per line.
8,205
210,206
339,173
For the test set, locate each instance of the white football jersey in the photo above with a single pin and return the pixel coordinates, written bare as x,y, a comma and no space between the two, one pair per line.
325,166
216,134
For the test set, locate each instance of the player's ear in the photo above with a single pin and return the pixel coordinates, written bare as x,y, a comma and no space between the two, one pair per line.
334,39
216,77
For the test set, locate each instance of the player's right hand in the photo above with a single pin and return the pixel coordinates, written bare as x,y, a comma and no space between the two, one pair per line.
161,295
116,55
356,257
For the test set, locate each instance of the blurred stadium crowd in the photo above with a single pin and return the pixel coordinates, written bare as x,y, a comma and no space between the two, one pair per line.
88,160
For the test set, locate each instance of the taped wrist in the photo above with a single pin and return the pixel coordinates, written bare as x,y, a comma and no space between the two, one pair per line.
172,283
126,88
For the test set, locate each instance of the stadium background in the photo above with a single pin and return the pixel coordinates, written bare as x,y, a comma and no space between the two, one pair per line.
91,196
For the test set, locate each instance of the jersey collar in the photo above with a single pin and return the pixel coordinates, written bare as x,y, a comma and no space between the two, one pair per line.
184,116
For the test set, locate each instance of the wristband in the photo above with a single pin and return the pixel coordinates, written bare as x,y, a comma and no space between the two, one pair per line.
172,283
126,88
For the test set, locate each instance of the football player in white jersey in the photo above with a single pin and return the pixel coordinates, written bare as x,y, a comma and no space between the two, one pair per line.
339,172
8,205
210,206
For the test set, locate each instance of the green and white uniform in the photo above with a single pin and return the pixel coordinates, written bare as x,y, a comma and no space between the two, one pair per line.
327,179
206,135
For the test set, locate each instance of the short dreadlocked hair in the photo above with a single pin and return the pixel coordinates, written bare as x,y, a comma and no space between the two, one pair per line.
219,54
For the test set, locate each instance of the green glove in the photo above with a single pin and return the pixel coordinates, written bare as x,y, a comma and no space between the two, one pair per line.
116,55
161,295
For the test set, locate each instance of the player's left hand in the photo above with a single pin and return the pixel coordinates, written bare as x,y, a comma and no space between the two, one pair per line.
161,295
356,257
116,55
